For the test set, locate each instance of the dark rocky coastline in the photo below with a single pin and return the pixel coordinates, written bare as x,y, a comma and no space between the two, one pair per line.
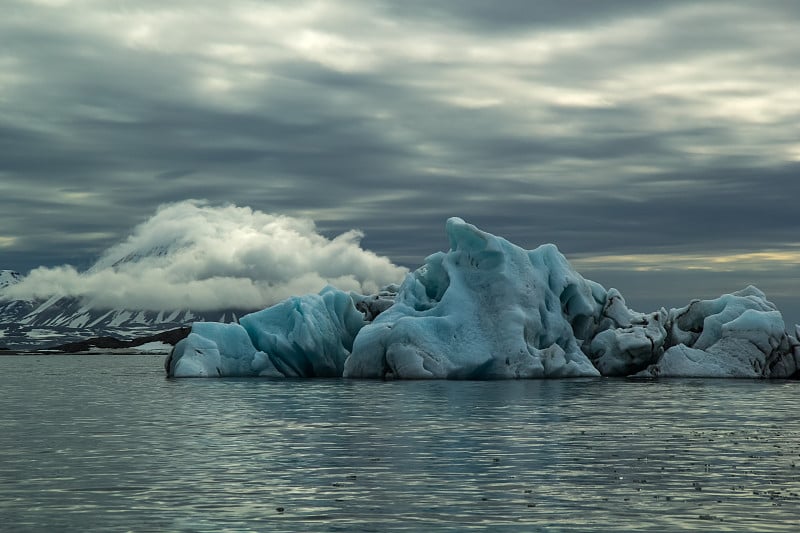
171,336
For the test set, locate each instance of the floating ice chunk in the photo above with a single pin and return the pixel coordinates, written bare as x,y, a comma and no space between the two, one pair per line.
736,335
307,336
486,309
303,336
699,324
682,361
785,363
214,349
626,341
375,304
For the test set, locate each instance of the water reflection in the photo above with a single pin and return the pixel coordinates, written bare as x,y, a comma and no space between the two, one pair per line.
91,445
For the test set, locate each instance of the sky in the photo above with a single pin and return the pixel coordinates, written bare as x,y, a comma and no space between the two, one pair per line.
656,143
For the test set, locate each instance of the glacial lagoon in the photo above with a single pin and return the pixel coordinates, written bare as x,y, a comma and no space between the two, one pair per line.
106,443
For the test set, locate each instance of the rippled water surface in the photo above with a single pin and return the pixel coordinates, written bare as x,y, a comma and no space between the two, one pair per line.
106,443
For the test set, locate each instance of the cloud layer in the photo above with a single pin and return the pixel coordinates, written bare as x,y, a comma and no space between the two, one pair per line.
617,128
192,255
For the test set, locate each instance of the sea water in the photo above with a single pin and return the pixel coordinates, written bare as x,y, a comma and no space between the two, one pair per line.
107,443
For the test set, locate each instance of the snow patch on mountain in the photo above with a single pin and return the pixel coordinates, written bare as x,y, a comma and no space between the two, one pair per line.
28,324
8,278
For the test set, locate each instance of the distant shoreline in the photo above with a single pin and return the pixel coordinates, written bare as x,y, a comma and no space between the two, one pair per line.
30,352
98,345
110,351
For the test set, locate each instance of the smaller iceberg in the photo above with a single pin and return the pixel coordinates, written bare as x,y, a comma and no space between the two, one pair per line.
488,309
303,336
739,335
626,341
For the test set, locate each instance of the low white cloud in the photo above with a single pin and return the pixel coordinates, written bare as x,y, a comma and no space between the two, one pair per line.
191,255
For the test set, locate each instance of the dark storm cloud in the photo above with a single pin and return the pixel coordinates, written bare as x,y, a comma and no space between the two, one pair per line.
606,127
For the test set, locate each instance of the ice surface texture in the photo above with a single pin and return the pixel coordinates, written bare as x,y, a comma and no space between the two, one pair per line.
305,336
488,309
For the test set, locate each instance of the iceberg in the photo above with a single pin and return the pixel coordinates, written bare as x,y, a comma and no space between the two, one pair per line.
488,309
739,335
627,341
303,336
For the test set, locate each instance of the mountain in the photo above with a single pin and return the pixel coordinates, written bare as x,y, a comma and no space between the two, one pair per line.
28,324
8,278
43,323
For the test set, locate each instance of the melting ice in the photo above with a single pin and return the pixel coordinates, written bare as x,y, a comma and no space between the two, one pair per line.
488,309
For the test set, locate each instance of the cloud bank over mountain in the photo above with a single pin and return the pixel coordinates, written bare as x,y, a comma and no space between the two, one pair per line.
193,255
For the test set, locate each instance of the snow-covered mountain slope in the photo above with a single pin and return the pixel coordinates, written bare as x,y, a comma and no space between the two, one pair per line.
38,324
67,312
8,278
26,324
